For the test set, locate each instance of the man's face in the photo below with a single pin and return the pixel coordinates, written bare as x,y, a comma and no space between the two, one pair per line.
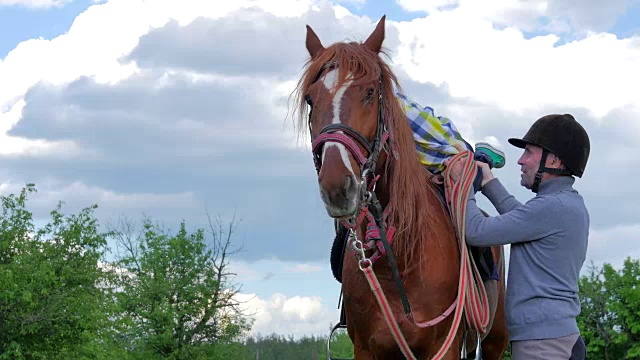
529,163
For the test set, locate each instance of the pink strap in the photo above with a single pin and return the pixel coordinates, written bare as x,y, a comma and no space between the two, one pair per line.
439,318
342,139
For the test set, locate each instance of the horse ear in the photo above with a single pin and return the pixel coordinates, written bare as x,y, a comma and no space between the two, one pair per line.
374,42
314,46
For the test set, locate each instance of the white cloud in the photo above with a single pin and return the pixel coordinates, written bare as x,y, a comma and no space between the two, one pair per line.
503,68
493,141
558,16
122,201
267,268
303,268
521,14
78,195
358,3
102,35
613,245
297,315
35,4
425,5
10,145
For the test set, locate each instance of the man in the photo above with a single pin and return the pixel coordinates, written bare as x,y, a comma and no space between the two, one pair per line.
548,237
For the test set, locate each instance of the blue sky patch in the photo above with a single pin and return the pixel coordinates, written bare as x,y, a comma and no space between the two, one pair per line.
628,24
374,9
18,23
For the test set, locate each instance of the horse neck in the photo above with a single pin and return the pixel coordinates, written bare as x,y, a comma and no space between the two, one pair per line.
417,212
384,193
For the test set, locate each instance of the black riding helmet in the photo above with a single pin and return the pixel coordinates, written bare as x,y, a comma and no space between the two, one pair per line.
563,136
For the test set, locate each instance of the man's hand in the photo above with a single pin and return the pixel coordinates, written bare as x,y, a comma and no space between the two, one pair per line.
487,175
456,170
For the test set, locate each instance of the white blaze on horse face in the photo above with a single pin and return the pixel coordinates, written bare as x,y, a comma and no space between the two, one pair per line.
330,81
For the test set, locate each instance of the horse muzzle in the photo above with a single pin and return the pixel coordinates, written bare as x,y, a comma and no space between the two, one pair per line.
339,195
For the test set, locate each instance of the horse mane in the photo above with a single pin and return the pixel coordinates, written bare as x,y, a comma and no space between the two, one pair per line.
412,212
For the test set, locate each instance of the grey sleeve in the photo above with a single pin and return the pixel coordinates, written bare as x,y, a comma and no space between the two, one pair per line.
539,217
499,196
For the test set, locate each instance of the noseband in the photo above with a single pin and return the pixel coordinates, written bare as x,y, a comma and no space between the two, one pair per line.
351,138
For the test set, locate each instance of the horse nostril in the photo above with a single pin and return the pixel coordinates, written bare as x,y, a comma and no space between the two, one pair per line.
348,185
351,185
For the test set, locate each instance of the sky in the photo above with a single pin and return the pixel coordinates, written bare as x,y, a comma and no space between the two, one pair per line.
171,109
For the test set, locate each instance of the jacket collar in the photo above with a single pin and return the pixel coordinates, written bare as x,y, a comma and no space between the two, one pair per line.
556,185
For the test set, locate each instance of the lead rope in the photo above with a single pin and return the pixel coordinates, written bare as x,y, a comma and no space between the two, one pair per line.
471,298
471,292
457,195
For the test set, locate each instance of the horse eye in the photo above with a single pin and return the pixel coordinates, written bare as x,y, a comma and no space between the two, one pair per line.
307,98
370,92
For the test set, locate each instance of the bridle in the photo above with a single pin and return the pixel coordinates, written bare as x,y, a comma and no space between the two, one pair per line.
351,138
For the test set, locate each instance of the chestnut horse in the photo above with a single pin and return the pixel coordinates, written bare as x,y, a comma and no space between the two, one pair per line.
363,147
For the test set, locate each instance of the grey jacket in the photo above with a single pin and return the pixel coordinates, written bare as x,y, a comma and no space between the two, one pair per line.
548,236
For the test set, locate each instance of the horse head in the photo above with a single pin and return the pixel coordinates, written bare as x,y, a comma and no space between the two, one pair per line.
343,89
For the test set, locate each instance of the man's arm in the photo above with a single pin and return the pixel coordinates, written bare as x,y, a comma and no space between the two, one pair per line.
537,218
499,196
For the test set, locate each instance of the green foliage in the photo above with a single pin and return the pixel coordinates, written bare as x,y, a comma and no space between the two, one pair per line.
50,307
610,317
279,347
167,297
176,300
507,354
275,346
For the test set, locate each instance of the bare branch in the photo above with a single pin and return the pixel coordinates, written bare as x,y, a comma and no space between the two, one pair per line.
124,232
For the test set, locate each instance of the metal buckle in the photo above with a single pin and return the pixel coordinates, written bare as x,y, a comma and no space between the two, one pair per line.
358,246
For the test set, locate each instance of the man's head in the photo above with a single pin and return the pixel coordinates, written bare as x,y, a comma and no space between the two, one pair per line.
530,164
555,145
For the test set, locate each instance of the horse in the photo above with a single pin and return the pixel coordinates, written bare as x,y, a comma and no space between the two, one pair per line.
364,152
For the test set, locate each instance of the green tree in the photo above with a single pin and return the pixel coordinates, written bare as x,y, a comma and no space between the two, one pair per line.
610,317
596,321
50,305
624,287
176,299
280,347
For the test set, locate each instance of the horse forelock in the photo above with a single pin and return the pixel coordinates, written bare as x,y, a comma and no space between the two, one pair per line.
353,59
411,193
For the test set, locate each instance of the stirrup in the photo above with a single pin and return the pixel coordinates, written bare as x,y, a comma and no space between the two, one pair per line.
478,348
463,348
336,327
